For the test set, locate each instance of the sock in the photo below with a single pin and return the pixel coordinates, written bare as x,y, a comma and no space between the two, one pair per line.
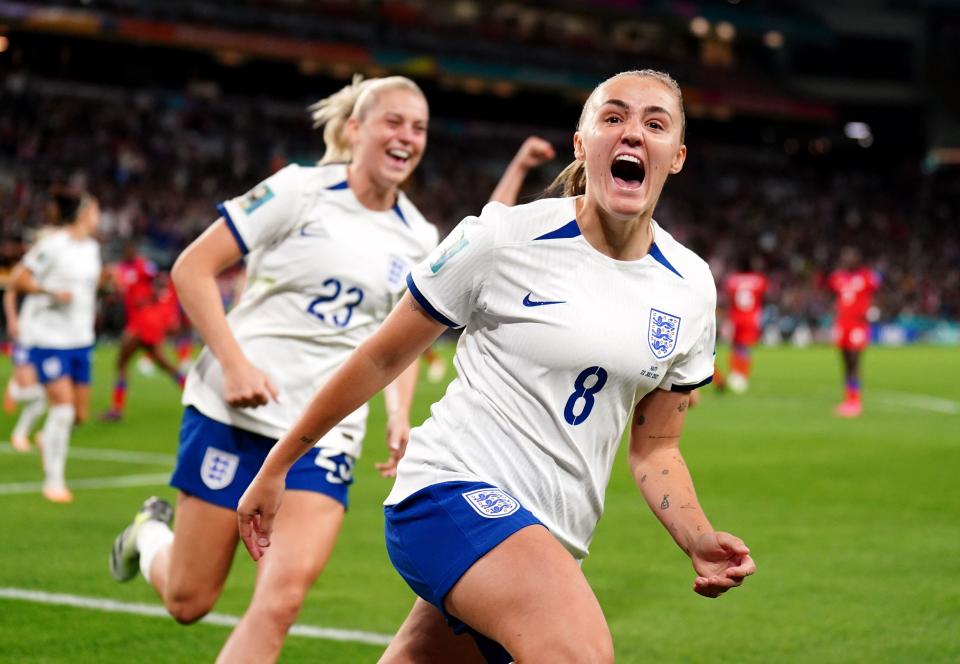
153,536
852,393
56,442
25,394
181,379
740,361
119,394
32,411
184,349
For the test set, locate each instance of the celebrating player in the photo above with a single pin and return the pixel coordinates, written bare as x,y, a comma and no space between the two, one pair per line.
326,248
578,312
854,285
744,289
151,311
59,276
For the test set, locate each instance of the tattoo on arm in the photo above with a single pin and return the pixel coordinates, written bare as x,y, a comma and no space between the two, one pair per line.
640,420
665,503
413,305
682,406
643,478
664,472
307,441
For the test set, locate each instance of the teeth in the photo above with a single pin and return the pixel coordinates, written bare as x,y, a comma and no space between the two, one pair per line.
399,154
627,157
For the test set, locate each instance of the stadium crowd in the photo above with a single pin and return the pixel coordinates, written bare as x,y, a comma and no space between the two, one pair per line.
159,162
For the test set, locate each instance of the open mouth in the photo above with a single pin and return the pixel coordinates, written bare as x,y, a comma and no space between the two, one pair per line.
399,158
628,171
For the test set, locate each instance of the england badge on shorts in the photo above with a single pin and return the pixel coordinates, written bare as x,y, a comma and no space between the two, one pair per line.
662,333
491,503
218,468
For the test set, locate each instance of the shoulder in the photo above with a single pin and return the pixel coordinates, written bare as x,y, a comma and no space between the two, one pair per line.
422,228
530,221
692,268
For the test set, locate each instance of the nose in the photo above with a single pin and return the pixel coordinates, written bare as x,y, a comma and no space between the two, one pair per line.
633,132
404,133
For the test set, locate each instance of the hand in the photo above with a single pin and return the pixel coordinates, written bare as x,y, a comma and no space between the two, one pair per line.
534,152
256,511
246,386
62,297
398,434
722,562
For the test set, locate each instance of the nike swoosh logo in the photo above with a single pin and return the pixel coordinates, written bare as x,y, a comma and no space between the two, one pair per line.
527,302
304,233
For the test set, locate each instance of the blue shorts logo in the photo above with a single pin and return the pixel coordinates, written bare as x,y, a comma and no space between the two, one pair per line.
662,333
52,367
491,503
218,468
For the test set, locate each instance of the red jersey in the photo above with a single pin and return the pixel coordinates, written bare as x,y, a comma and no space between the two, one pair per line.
135,281
745,291
854,289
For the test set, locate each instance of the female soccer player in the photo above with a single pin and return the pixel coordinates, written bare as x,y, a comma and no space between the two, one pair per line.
577,313
24,387
59,276
326,248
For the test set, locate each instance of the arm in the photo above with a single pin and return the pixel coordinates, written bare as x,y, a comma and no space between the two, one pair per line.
534,152
379,360
398,397
194,276
10,313
23,281
720,559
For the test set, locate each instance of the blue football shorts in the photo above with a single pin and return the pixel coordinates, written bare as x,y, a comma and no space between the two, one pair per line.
216,462
56,363
436,534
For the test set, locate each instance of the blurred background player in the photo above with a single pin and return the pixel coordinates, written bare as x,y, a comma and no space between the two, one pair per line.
151,311
23,388
327,249
744,291
854,285
60,276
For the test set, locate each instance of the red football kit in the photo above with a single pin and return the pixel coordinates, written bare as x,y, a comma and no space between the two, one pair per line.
745,293
854,290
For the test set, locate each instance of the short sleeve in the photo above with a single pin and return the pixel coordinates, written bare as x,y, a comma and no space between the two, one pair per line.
267,212
41,257
694,368
447,284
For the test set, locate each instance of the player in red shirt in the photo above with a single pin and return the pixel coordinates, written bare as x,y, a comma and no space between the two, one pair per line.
854,286
151,310
744,290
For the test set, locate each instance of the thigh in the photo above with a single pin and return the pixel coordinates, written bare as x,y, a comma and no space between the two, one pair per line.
204,543
304,533
60,391
424,638
529,594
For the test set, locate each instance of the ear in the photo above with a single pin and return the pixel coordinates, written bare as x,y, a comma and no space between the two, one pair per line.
578,152
678,159
351,130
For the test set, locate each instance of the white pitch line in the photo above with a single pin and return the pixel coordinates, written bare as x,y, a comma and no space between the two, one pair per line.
919,401
121,456
154,611
155,479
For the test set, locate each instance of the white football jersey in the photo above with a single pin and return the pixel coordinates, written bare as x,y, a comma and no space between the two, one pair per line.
60,262
323,272
560,342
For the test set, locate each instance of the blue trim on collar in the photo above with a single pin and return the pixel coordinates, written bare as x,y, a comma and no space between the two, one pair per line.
660,258
339,185
222,209
427,307
566,231
396,208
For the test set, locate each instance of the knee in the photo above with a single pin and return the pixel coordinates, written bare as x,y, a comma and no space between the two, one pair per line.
280,607
188,608
581,648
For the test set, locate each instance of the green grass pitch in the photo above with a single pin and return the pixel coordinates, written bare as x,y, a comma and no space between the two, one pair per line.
854,524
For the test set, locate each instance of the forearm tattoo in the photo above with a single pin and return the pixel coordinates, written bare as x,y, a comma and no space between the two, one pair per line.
665,503
307,441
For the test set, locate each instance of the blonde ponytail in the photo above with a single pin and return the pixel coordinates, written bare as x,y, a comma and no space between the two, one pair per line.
571,181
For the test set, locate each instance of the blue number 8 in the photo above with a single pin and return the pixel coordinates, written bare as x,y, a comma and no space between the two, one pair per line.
585,393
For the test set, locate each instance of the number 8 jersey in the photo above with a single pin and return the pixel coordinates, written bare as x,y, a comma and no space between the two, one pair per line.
323,272
560,342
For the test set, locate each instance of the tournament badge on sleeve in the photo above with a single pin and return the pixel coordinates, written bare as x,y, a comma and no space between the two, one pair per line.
218,468
662,333
491,503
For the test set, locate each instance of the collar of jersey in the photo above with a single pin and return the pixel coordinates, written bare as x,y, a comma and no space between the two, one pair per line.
341,186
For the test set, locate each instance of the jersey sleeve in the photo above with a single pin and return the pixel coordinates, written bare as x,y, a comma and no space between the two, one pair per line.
41,257
694,368
448,283
267,212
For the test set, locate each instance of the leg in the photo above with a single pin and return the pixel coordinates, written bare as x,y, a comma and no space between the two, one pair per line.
129,345
303,537
27,391
530,595
189,572
81,402
424,638
154,352
851,406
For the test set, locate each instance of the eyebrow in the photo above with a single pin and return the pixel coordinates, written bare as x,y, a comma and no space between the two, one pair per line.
646,110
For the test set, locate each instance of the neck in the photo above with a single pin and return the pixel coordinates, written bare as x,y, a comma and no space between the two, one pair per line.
623,240
371,195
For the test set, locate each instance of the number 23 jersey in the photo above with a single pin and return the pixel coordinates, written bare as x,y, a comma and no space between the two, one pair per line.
323,272
560,342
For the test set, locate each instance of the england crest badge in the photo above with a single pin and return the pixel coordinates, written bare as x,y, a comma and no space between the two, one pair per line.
662,333
218,468
491,503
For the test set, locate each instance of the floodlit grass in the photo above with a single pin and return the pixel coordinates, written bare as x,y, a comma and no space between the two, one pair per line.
855,527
